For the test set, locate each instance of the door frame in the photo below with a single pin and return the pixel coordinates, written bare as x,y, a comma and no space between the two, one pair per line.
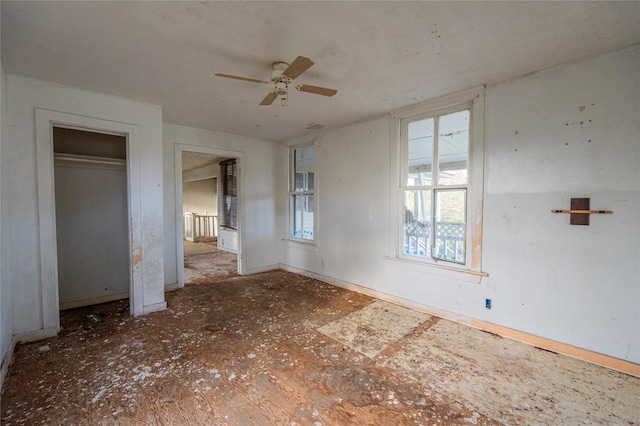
237,155
46,120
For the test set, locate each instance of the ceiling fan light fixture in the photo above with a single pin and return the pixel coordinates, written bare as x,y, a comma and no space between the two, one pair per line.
282,92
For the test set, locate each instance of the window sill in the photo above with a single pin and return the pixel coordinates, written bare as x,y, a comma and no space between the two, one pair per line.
305,245
466,275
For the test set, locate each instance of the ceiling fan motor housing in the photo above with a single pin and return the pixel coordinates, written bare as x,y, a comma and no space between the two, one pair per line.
278,69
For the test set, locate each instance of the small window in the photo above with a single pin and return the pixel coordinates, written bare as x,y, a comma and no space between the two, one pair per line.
441,179
302,192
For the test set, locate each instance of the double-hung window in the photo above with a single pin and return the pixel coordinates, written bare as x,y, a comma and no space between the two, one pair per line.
441,179
301,196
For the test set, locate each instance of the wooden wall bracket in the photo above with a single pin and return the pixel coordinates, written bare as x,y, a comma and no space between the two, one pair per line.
580,211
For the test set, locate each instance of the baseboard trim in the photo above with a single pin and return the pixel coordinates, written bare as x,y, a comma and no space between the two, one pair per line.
6,362
262,269
608,361
93,300
36,335
154,308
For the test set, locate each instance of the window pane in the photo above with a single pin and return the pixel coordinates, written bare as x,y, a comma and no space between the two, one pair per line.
309,166
298,211
302,226
299,181
298,170
420,147
417,223
307,218
453,148
310,180
450,216
303,164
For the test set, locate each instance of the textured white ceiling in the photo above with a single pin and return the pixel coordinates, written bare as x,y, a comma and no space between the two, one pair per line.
195,160
378,55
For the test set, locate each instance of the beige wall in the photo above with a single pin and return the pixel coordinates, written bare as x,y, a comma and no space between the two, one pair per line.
199,196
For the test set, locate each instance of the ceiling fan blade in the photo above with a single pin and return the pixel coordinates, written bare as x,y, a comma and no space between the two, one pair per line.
235,77
297,67
316,90
268,100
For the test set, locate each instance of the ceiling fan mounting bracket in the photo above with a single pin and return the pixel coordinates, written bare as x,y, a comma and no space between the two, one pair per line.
279,65
277,75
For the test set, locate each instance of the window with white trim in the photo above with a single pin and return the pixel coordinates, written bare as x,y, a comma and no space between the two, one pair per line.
441,181
301,196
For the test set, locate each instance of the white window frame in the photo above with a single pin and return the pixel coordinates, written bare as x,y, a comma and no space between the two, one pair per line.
292,192
473,100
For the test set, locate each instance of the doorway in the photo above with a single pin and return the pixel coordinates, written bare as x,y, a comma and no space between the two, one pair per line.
208,247
91,206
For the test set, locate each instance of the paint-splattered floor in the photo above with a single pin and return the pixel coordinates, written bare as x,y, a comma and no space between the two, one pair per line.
279,348
204,262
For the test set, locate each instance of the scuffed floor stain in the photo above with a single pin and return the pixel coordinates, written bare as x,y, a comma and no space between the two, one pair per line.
371,329
246,351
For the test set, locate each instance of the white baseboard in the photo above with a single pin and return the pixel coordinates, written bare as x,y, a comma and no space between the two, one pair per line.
6,361
70,304
262,269
608,361
154,308
30,336
35,335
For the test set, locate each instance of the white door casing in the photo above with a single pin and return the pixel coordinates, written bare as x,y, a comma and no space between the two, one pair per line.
45,121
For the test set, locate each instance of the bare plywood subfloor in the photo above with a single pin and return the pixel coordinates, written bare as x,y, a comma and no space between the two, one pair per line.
373,328
247,351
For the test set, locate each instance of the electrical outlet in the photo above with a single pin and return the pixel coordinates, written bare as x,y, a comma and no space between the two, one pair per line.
322,263
487,303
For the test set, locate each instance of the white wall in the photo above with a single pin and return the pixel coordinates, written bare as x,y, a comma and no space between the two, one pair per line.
6,308
259,181
20,191
570,131
228,240
200,196
92,232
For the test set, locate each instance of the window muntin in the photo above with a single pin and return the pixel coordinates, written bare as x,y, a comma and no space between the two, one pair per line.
436,177
302,193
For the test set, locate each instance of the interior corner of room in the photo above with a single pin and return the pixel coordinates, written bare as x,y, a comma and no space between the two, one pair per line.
417,156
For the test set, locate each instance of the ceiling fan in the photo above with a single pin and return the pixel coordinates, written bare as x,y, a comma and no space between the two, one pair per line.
282,76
